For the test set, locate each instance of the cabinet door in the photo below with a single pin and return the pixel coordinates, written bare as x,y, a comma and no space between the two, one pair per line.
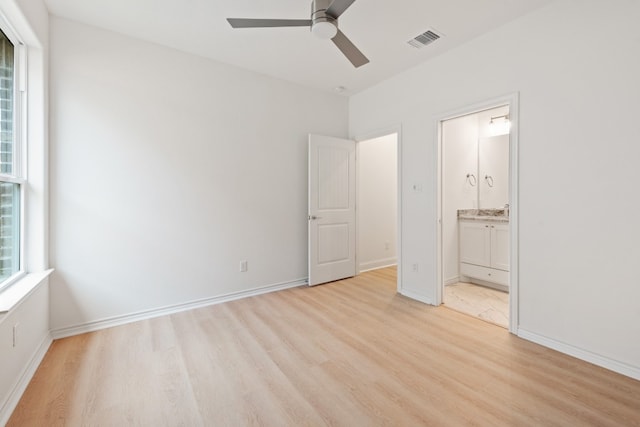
475,243
500,246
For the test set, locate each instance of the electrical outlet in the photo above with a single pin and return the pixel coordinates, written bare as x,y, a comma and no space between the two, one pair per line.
244,266
414,267
15,334
386,246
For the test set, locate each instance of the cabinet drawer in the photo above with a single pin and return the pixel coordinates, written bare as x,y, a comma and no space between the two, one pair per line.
484,273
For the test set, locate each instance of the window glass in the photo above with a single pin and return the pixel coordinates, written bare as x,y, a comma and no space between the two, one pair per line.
9,183
6,105
9,229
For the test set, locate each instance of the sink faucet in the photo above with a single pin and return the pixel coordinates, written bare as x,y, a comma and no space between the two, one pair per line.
506,209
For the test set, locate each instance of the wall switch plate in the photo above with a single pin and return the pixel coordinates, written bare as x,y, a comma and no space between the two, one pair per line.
244,266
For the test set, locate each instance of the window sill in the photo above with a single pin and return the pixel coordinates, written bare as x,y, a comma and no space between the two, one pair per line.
20,290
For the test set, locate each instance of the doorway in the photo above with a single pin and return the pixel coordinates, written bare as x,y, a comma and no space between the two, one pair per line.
477,206
344,241
377,202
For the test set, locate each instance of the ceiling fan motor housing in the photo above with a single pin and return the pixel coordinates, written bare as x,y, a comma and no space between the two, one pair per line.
322,25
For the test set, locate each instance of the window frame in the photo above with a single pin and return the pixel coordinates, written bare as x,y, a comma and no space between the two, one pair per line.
19,170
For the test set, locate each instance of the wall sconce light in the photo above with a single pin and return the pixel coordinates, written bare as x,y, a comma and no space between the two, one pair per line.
499,125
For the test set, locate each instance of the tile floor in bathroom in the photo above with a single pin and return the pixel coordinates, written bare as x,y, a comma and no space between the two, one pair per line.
488,304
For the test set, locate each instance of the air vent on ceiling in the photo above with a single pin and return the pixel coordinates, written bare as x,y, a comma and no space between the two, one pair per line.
424,39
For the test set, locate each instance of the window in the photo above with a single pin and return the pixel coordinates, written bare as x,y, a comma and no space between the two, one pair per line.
11,178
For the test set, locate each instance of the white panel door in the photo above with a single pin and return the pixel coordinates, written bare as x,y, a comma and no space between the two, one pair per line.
332,209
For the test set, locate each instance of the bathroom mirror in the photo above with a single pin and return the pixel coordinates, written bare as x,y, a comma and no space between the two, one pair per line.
493,171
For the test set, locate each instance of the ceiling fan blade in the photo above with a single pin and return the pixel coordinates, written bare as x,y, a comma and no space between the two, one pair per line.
262,23
349,50
338,7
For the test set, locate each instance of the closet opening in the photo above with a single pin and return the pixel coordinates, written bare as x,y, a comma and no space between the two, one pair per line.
378,203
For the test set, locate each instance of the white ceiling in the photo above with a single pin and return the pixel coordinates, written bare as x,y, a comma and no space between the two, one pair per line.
380,29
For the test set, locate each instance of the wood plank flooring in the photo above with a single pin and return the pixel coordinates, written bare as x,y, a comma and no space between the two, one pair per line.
349,353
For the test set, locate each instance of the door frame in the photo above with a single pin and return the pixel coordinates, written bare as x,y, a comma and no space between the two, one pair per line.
395,129
512,100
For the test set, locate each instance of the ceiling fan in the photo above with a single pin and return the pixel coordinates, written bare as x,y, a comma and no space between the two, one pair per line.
323,24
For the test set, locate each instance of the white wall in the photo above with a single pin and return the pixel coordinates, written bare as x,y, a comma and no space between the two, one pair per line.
571,62
459,158
377,202
167,170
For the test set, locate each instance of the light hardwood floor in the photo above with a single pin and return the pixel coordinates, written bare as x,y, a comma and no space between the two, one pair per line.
350,353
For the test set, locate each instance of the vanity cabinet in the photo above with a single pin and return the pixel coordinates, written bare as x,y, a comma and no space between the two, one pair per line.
484,251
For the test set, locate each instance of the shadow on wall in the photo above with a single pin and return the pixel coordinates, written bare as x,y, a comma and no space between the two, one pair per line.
61,291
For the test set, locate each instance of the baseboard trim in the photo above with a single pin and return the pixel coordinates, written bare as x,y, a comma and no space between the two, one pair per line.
376,265
587,356
163,311
416,296
9,405
491,285
452,281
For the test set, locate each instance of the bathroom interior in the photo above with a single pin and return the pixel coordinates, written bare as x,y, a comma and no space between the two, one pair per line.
475,214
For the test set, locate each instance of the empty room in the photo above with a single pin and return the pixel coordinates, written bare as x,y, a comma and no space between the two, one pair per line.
327,212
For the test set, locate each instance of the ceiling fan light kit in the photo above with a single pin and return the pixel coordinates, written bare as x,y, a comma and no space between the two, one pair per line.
324,30
323,24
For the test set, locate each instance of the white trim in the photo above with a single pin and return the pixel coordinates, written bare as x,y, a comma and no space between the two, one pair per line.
416,296
452,281
11,179
17,175
9,30
394,129
439,273
512,100
20,289
514,212
357,208
7,407
376,265
492,285
14,278
587,356
171,309
21,112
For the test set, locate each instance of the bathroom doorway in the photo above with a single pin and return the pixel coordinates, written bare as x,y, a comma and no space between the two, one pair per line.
476,209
